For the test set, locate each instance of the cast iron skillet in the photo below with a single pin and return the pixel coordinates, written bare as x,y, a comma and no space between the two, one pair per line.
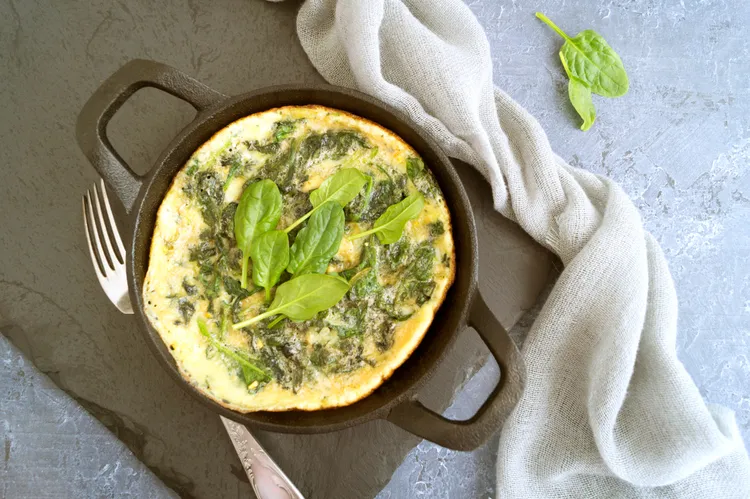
395,399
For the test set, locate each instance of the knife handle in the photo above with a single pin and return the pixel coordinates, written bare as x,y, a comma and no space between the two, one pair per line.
266,478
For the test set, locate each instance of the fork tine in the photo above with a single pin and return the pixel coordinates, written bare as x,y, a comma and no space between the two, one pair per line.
100,251
112,223
87,229
103,226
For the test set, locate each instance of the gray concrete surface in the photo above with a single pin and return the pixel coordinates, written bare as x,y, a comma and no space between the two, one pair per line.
54,448
679,143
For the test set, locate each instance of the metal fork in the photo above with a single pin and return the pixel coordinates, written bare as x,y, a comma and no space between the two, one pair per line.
267,479
108,264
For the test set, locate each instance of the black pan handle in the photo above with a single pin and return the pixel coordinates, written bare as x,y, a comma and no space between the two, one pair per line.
415,418
91,127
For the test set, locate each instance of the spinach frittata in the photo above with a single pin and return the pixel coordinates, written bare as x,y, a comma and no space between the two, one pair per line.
193,290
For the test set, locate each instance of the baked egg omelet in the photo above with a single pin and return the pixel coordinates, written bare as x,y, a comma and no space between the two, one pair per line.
193,294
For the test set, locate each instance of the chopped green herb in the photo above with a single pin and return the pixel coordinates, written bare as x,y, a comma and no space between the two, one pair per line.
436,228
194,165
383,336
357,207
234,288
189,288
385,193
268,148
282,129
397,253
186,309
210,196
235,165
335,144
414,167
421,177
320,355
249,368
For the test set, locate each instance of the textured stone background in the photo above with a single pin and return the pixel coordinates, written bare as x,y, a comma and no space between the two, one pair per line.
54,448
678,142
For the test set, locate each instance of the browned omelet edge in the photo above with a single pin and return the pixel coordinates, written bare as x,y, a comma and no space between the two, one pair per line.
394,361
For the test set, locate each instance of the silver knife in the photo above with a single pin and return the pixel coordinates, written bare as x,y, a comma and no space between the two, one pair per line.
267,479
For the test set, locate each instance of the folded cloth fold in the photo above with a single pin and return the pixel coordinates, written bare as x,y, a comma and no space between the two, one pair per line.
608,410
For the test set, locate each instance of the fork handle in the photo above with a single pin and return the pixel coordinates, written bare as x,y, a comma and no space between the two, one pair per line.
91,127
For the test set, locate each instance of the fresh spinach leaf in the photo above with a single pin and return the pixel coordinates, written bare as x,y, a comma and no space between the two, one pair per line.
340,188
250,371
303,297
270,254
318,241
592,66
258,211
390,225
580,97
589,58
